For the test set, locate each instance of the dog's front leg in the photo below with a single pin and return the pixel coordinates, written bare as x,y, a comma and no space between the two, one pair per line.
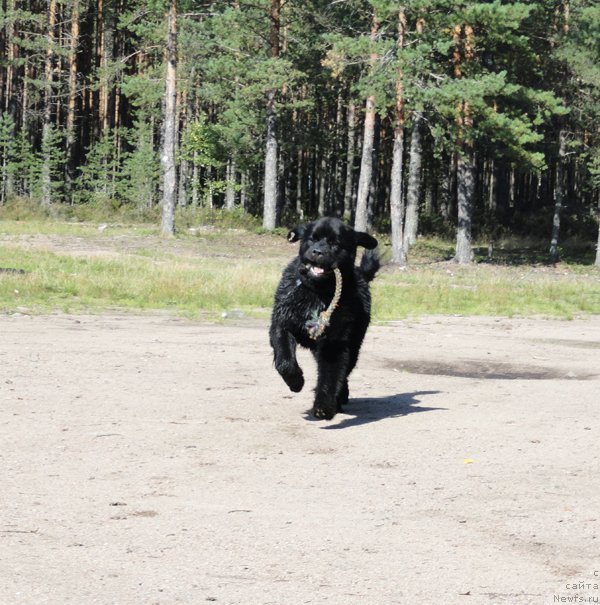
284,350
332,386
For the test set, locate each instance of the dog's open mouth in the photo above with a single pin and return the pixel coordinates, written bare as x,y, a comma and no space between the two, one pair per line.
316,271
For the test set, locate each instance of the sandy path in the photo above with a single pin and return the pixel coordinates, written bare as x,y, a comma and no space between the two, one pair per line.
156,461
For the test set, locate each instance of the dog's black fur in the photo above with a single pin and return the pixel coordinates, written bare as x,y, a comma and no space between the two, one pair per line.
305,290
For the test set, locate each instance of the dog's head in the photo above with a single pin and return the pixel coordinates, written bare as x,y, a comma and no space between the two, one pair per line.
327,244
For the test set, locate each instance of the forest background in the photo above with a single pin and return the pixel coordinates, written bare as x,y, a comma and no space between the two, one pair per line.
461,119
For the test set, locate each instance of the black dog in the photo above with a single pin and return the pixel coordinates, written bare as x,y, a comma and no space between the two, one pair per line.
306,289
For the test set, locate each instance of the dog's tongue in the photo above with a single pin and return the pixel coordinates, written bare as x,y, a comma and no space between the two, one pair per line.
317,270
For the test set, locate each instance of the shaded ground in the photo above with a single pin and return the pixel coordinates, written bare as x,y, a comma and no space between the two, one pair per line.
150,460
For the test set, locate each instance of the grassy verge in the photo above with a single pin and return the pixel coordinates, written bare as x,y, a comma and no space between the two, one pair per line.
485,291
76,268
73,283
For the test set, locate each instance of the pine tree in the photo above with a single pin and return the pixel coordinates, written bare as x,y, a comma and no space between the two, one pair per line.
366,164
396,193
169,174
270,180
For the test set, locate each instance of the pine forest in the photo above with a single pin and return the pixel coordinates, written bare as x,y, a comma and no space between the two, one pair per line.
465,119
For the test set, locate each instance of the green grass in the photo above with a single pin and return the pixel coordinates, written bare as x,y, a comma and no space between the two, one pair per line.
75,284
76,268
484,291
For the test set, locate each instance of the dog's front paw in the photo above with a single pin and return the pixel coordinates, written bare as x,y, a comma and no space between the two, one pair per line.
292,375
295,381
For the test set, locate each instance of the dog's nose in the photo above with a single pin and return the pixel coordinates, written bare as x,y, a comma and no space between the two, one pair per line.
316,251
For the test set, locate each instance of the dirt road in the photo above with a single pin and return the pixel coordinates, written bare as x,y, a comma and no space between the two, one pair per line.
150,460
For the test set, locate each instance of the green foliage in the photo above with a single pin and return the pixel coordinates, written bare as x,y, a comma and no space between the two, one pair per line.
128,177
24,165
527,71
98,175
199,143
578,53
140,170
52,151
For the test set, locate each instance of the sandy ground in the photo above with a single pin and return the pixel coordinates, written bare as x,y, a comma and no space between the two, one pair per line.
151,460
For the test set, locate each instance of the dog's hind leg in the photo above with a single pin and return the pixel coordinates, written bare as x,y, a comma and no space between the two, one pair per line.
332,387
284,351
342,398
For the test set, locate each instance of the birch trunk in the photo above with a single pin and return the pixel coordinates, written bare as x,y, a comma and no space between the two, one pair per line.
183,183
336,200
72,102
209,197
270,184
361,219
597,261
348,185
299,178
465,196
243,189
167,156
413,192
195,181
48,97
396,197
322,209
11,83
366,167
559,193
465,170
230,191
270,193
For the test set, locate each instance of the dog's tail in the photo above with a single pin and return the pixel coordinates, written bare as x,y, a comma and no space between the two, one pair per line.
370,264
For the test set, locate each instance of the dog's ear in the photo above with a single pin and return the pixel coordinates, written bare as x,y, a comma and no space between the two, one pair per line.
297,233
365,240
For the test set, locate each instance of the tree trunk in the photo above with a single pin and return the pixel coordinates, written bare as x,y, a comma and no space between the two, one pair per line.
10,84
322,208
72,102
559,194
11,88
465,196
195,181
270,191
396,197
299,185
492,187
366,167
106,24
167,156
335,194
209,187
444,172
347,210
597,262
413,192
361,218
465,170
270,185
230,191
183,183
373,198
48,97
243,189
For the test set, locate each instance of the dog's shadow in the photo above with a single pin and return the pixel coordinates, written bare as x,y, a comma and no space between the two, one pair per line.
364,410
